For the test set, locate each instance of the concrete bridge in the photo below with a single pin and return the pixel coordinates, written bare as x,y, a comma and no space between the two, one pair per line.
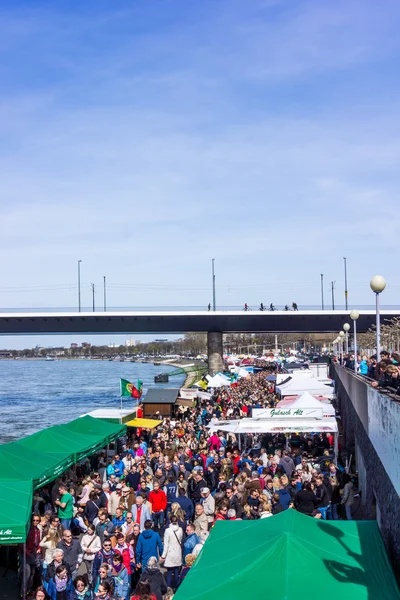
210,322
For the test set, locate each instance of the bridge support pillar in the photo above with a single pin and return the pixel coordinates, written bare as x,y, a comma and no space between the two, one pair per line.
215,352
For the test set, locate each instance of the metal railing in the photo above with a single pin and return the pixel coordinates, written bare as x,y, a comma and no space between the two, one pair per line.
176,308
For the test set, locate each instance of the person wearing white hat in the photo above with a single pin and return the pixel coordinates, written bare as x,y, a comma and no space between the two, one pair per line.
114,500
208,503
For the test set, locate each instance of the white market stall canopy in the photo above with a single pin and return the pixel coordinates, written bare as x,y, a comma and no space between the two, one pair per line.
113,415
297,387
283,377
305,402
276,425
193,393
219,380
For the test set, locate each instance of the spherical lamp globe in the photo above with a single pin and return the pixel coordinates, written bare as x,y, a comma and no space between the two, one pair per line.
378,284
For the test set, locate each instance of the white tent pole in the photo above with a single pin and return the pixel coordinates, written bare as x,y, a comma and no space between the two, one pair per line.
336,445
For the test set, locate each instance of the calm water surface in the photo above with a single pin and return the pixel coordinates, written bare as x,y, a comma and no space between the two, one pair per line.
35,394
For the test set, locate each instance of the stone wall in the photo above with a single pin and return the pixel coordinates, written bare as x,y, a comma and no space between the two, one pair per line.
371,431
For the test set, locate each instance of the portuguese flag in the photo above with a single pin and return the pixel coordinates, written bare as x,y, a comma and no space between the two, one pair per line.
126,388
137,392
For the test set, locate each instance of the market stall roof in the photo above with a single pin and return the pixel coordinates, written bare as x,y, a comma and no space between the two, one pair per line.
93,427
15,511
57,440
276,425
20,463
219,380
306,400
40,458
161,396
298,386
287,377
145,423
348,558
113,415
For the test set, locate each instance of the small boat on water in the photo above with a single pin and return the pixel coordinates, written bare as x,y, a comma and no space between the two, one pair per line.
50,358
161,378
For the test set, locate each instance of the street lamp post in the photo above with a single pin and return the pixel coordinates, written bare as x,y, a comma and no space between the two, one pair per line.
337,340
213,283
354,315
378,284
345,281
79,285
94,308
341,336
346,328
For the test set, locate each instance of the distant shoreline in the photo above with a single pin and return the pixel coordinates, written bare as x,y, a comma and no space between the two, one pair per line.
190,377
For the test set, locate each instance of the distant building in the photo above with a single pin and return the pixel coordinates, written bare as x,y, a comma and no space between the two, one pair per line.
74,345
130,343
86,345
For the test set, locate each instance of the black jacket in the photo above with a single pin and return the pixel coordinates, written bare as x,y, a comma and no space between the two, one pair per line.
51,570
305,502
321,493
158,586
336,497
91,510
235,504
196,496
212,480
71,552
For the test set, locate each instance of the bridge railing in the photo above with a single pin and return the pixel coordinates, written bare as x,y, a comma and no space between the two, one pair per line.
176,308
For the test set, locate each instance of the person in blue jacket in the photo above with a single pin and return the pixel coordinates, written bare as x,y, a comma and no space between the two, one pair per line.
118,466
192,539
284,497
186,504
59,587
363,366
149,544
121,578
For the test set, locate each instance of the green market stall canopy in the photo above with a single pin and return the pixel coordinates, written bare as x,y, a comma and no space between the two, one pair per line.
15,511
39,459
282,556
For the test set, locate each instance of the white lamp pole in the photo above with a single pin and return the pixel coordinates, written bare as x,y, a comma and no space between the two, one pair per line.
378,284
354,315
346,328
341,336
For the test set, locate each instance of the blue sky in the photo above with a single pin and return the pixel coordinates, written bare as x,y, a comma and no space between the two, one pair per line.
148,137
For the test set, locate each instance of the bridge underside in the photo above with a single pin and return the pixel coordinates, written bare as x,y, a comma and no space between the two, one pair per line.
181,322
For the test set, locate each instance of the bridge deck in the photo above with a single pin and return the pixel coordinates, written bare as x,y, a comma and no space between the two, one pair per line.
180,322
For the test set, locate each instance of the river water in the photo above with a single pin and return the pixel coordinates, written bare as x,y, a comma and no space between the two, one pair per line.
35,394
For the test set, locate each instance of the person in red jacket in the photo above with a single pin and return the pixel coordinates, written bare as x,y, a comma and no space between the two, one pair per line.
235,460
222,514
158,500
125,550
213,442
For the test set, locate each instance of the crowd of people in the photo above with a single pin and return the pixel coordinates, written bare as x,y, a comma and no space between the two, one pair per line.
131,526
384,373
